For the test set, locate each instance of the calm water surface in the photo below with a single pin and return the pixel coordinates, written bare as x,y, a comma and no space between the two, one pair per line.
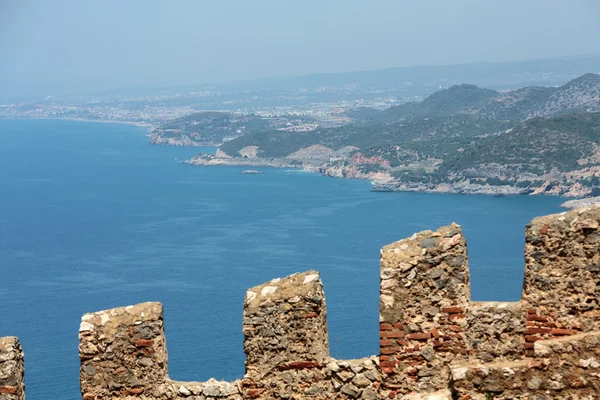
92,217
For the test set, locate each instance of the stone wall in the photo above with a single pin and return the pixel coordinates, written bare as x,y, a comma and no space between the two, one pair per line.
12,382
434,342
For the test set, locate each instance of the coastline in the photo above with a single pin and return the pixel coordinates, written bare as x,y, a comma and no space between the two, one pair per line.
146,125
384,183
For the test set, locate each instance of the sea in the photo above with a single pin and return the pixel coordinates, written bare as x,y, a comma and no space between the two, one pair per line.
93,217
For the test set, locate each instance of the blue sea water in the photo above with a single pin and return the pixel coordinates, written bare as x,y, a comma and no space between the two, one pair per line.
92,217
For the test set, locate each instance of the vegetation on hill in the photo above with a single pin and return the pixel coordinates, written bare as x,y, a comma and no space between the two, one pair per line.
446,102
537,146
514,105
437,136
213,128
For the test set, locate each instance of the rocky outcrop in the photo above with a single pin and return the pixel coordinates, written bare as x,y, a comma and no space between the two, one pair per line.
210,160
181,140
581,202
456,188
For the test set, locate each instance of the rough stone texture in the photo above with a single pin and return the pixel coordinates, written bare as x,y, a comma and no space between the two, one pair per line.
123,355
424,300
12,382
565,368
285,324
563,258
495,330
435,344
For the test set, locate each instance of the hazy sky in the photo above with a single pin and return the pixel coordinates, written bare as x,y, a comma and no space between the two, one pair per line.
53,46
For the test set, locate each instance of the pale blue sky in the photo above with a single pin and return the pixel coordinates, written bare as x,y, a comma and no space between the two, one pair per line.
54,46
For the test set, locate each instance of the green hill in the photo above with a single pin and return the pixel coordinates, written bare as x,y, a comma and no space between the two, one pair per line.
538,146
446,102
433,136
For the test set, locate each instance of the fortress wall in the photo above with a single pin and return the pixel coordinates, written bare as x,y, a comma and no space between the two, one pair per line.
12,371
495,330
123,352
563,368
435,344
562,274
423,310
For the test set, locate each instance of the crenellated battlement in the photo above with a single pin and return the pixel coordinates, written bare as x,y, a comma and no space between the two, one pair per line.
435,343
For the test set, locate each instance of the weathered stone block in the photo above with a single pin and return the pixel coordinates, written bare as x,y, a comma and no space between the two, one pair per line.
12,372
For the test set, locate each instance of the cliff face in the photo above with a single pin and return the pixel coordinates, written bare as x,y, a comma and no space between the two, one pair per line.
435,343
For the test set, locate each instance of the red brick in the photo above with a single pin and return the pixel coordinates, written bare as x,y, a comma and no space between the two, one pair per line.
389,350
88,396
403,342
384,358
391,335
544,229
386,342
8,390
531,311
562,332
253,393
144,343
302,364
398,325
132,391
385,327
387,364
435,333
453,310
457,316
529,345
539,318
387,370
532,338
528,353
392,395
549,324
533,331
148,351
311,315
418,336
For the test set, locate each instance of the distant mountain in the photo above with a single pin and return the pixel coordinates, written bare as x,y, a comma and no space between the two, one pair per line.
581,94
537,146
514,105
444,103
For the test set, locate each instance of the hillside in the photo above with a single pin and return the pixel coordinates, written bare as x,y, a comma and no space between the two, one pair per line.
213,128
514,105
446,102
581,94
431,135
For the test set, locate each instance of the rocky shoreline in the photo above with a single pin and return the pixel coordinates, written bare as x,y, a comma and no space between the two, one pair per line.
383,181
590,201
184,141
455,188
211,160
